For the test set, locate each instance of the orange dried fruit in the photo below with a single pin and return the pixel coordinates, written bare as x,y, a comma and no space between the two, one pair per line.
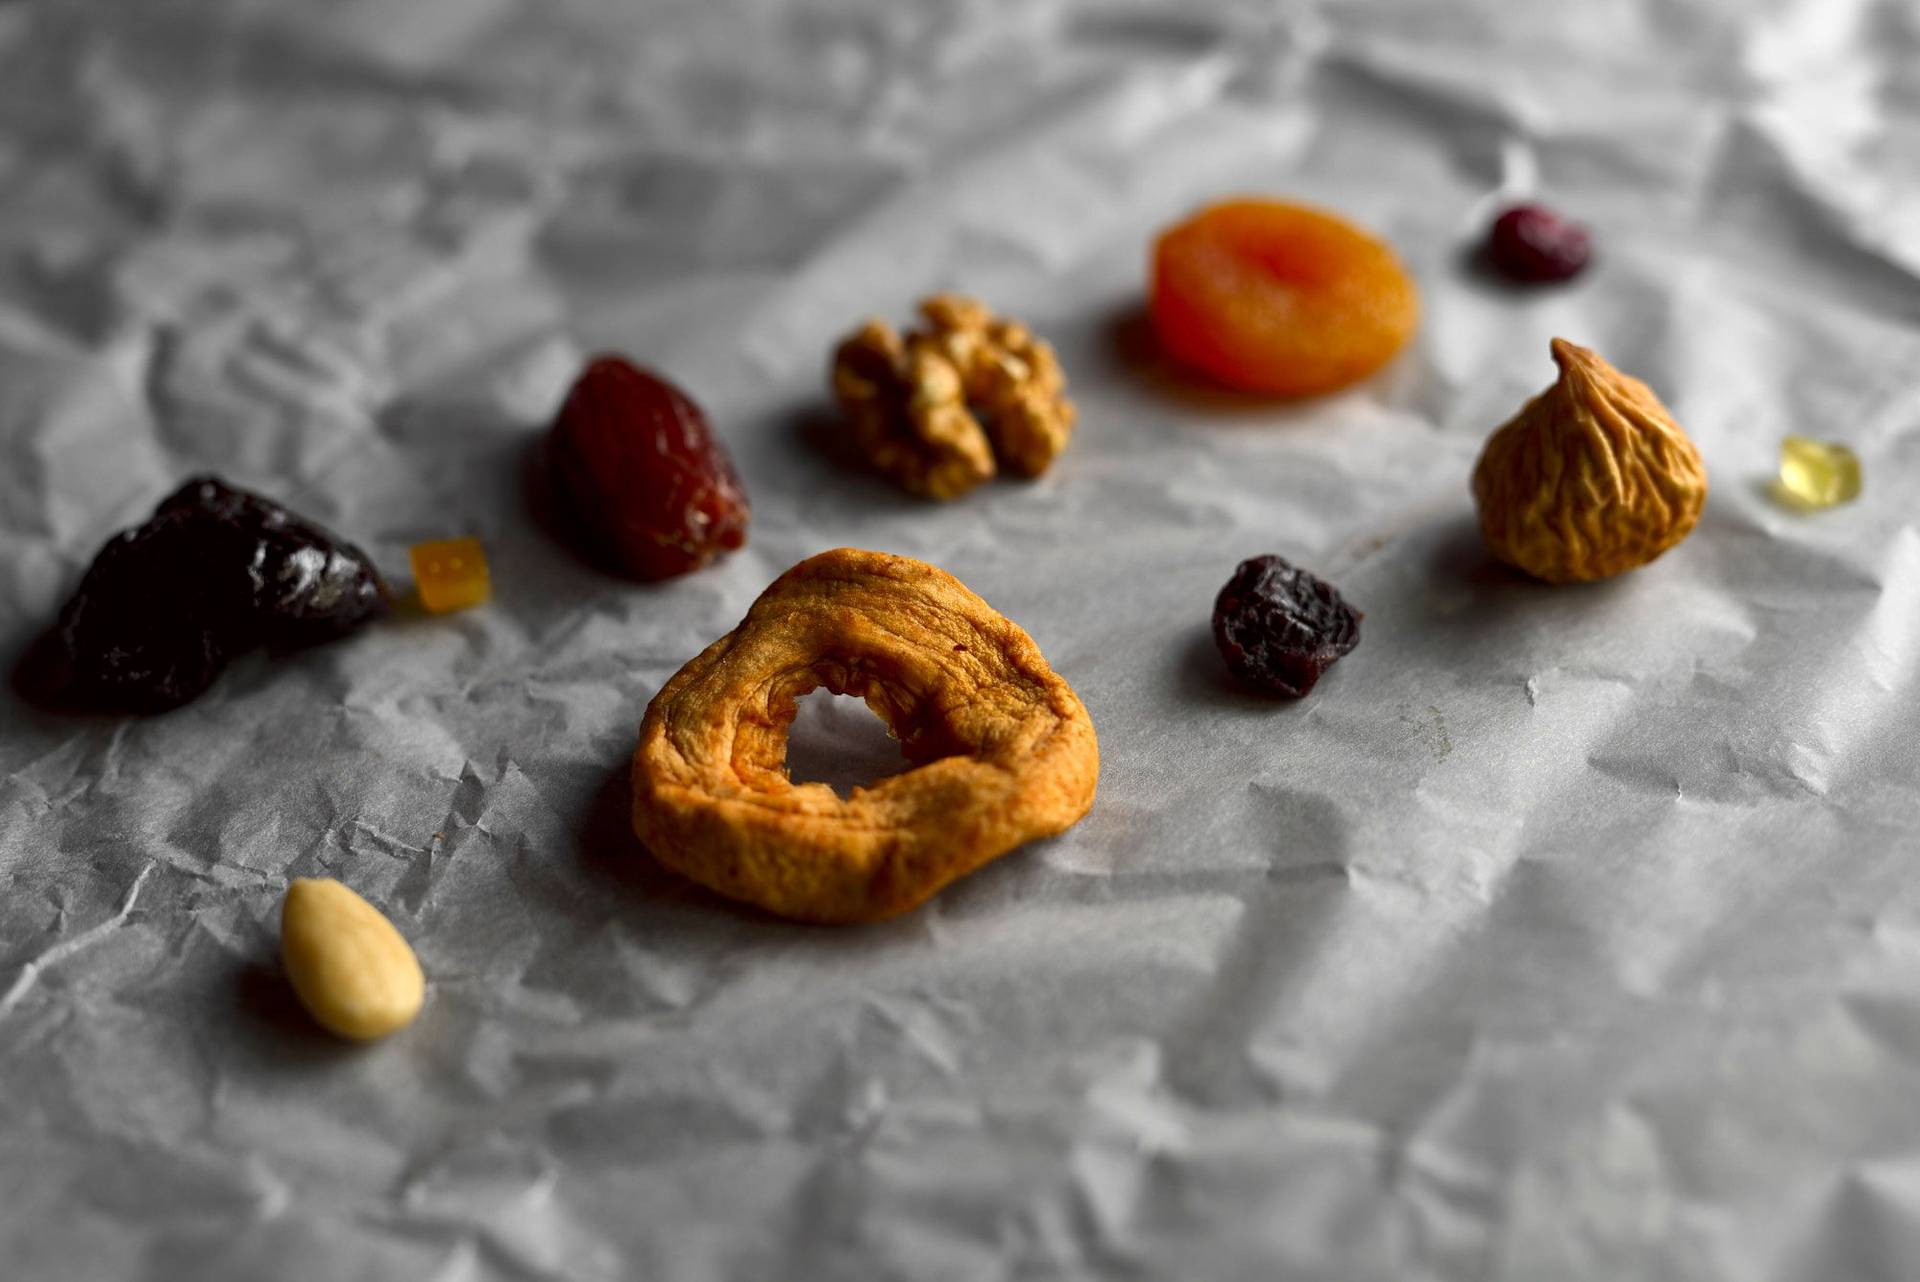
1283,299
451,574
1004,751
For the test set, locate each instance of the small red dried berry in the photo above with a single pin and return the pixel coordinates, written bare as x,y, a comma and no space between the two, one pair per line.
1279,628
1533,243
642,473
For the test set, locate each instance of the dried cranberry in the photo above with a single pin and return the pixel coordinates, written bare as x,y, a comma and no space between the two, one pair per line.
642,474
1533,243
1279,627
215,572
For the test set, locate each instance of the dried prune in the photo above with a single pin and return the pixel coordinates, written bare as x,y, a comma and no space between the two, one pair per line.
304,584
146,629
1533,243
642,475
215,572
1279,627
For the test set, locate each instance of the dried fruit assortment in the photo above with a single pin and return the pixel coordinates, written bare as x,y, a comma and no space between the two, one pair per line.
215,572
1280,628
1004,750
944,408
1591,478
352,970
1278,298
641,474
1532,243
451,574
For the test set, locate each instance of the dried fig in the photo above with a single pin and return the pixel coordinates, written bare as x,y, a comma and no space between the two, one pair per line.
1591,478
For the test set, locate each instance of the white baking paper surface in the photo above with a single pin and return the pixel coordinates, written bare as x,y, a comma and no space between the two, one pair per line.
1563,933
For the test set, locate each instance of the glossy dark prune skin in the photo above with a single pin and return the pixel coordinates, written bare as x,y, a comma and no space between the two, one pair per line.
143,632
1280,628
215,572
304,584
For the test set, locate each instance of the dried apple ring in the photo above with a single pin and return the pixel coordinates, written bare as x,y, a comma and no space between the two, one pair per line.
1280,299
1004,749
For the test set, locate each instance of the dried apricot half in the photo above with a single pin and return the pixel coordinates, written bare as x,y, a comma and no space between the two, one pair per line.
1278,298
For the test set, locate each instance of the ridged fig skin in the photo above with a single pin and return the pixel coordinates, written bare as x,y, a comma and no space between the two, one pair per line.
1590,479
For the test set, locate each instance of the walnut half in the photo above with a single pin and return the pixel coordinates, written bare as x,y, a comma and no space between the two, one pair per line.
1591,478
940,410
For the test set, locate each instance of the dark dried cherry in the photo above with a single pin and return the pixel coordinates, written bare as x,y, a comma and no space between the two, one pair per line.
1533,243
215,572
1279,627
642,475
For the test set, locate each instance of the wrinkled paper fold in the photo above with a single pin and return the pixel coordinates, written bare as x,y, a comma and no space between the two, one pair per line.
1562,933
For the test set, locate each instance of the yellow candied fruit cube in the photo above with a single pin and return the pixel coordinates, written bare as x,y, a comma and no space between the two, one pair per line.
1818,473
451,574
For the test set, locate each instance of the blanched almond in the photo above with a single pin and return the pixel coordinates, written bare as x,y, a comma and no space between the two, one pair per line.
351,968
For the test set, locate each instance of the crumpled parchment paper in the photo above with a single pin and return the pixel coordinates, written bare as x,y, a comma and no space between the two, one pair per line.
1563,933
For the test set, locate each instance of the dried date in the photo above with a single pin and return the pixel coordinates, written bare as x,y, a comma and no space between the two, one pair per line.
641,474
